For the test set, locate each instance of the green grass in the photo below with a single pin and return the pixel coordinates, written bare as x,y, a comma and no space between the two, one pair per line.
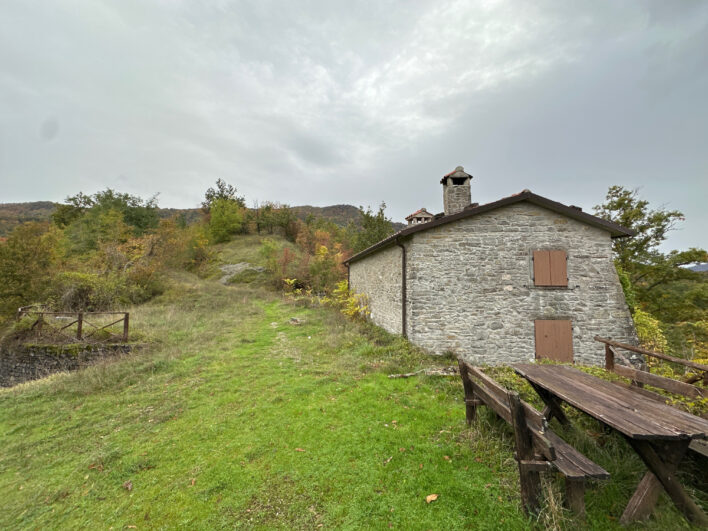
233,417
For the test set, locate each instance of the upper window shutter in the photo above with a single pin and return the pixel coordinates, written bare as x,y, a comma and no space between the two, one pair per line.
559,272
541,268
550,268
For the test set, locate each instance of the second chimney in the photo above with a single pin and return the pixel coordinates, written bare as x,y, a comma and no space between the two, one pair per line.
456,191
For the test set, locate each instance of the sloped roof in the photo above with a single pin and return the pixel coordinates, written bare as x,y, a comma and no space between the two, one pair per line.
421,211
615,230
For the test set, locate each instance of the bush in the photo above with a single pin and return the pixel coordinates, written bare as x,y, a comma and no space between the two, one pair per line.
649,331
226,220
75,291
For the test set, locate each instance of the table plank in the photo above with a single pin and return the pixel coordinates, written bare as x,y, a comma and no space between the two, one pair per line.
592,403
664,414
617,407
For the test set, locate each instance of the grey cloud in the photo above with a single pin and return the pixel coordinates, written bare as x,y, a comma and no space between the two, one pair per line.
323,102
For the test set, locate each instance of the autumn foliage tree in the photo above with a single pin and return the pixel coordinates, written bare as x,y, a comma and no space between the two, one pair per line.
658,285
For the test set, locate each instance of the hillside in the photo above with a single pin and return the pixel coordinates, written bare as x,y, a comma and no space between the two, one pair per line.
12,214
231,416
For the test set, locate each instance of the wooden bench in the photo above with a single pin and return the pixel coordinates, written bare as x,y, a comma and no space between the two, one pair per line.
538,449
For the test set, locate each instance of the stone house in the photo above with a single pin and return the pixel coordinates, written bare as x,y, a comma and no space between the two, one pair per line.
520,278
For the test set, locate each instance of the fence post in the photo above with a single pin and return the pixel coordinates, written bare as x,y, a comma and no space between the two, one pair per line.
609,358
125,327
79,325
40,322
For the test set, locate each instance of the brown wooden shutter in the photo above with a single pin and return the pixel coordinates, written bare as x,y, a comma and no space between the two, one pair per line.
554,340
550,268
559,273
541,268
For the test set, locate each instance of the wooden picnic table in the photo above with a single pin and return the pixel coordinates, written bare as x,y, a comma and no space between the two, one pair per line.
660,434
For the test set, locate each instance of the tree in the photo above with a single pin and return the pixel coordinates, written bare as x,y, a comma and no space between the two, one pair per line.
26,262
226,219
223,191
624,207
659,282
74,208
375,226
90,220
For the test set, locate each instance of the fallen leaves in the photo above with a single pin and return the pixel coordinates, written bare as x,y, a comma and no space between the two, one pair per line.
431,498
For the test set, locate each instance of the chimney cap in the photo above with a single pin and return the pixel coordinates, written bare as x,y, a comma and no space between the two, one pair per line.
457,172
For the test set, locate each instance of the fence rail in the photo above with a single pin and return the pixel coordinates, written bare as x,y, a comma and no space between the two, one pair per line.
686,387
80,319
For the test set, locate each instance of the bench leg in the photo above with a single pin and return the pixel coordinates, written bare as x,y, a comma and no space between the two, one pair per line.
471,401
575,495
529,479
664,472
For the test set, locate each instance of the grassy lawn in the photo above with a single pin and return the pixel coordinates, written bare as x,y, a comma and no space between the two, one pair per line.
233,417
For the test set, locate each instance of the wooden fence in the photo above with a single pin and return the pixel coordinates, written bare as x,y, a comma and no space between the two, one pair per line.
685,387
80,319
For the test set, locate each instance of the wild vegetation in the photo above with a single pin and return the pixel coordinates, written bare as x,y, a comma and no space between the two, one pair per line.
112,249
668,300
258,407
236,415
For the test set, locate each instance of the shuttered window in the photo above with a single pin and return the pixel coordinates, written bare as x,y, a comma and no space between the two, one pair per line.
549,268
554,340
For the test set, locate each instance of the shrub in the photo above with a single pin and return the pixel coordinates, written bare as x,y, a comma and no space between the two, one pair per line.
649,331
75,291
226,220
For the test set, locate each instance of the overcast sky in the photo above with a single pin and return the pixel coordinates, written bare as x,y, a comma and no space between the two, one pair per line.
323,102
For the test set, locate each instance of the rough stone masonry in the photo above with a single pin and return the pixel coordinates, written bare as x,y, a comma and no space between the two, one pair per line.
470,289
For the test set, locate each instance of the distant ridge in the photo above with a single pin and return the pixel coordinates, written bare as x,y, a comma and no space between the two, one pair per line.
13,214
698,268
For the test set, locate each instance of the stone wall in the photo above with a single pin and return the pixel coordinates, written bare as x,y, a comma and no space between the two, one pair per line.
470,286
379,277
21,364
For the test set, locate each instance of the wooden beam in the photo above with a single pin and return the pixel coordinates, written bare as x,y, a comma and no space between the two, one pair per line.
661,382
575,495
609,358
529,479
664,470
536,466
537,424
552,402
470,400
659,355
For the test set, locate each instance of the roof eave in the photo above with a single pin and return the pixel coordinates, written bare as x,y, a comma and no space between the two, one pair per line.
615,230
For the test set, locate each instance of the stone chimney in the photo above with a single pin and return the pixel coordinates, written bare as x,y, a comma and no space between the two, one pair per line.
456,191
